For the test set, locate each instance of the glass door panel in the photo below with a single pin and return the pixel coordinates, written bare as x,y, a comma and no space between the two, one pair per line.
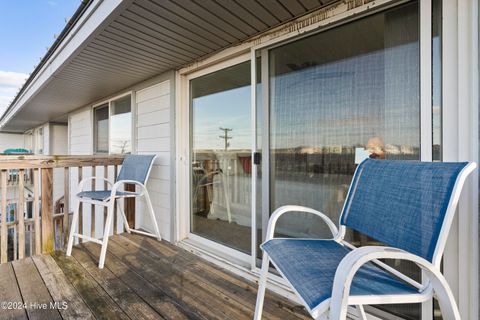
335,98
221,156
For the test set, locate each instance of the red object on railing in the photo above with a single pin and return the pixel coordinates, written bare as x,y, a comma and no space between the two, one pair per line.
246,164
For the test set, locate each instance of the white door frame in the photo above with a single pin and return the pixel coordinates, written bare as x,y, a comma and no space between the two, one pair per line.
460,143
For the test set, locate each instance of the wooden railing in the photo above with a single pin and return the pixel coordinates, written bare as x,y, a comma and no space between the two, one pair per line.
32,221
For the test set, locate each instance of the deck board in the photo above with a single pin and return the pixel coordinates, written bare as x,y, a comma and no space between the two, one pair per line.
125,297
34,292
182,288
9,292
71,304
101,304
225,282
154,295
142,279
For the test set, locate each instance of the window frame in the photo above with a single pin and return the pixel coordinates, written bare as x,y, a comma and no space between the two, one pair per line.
108,103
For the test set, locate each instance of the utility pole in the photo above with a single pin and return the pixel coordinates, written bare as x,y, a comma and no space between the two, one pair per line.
226,137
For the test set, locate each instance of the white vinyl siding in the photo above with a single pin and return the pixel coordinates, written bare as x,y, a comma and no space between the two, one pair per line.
11,140
57,145
80,128
153,136
58,139
80,132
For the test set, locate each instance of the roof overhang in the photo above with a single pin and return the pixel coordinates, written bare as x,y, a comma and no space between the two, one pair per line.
115,44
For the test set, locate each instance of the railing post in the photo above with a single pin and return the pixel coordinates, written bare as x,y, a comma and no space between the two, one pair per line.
66,205
3,231
36,211
47,211
105,187
21,214
115,224
80,208
130,206
92,207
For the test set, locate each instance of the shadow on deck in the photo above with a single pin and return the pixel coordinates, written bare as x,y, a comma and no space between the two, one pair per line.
142,279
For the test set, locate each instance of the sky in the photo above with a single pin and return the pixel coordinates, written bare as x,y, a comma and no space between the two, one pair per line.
27,28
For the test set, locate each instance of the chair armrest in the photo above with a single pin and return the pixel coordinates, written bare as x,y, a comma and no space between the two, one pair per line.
119,183
82,183
284,209
350,264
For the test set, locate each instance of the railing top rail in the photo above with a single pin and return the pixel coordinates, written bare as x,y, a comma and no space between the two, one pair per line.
57,161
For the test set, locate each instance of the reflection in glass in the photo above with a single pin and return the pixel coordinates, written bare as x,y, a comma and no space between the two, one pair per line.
335,98
437,80
40,142
121,126
100,121
221,156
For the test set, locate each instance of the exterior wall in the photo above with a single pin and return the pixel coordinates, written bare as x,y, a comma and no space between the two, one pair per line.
153,136
80,132
58,139
57,145
80,142
152,114
11,140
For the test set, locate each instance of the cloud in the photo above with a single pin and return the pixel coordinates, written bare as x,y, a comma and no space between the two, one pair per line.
10,82
52,3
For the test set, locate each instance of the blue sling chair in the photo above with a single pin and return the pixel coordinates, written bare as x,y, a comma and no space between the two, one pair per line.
135,170
406,205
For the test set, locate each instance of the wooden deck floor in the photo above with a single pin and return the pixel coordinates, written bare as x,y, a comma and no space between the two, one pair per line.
142,279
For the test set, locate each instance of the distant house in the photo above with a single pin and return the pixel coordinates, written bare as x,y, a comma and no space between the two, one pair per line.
251,105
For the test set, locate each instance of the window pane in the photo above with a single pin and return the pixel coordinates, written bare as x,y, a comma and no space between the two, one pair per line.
221,155
121,126
101,129
335,98
40,142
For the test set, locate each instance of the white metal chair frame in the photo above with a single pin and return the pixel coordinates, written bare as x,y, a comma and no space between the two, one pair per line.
110,204
336,306
212,183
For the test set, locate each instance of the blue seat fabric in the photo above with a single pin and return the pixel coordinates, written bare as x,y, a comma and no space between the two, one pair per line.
310,265
135,167
401,203
104,194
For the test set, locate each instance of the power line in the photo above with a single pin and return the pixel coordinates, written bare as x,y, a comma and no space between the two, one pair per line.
226,137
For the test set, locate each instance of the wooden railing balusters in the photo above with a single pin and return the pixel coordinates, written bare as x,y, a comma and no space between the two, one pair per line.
105,187
48,244
37,224
66,205
21,214
115,231
36,210
80,208
92,207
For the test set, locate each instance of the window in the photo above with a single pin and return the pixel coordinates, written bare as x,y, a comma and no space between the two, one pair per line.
113,127
39,141
101,129
121,126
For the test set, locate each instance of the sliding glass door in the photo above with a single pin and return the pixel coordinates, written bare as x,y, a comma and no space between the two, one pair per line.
335,98
322,103
331,100
221,152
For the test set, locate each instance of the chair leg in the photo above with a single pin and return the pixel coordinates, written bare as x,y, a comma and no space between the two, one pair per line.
152,214
227,200
73,228
106,234
125,222
361,312
262,285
